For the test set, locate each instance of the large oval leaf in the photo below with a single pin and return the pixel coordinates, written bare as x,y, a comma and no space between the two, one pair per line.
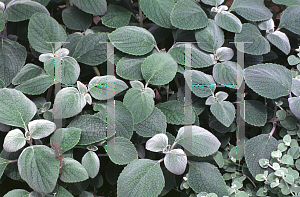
121,150
17,10
91,49
203,85
174,113
76,19
39,38
98,86
15,108
257,45
116,16
141,178
290,19
159,68
257,148
13,56
91,163
29,71
197,140
68,102
210,38
129,67
38,163
228,21
154,124
132,40
139,103
229,74
96,7
158,11
93,129
199,59
252,10
224,111
205,177
73,171
188,15
269,80
255,113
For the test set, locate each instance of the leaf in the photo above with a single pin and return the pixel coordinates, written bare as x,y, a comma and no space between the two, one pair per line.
259,147
96,7
228,21
92,49
41,128
76,19
17,10
287,2
229,74
188,15
98,86
13,57
68,102
210,38
174,113
224,54
17,193
132,40
293,60
175,161
252,10
37,163
15,108
294,104
159,68
39,38
130,68
269,80
123,118
296,87
205,177
154,124
290,19
14,140
202,85
2,21
139,103
116,16
72,42
3,164
37,85
29,71
224,111
121,150
199,59
73,171
66,138
157,143
281,41
93,129
158,11
255,112
141,178
221,96
197,140
215,3
91,163
257,45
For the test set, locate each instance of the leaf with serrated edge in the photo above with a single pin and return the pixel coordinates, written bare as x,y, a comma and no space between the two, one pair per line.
76,19
141,178
116,16
175,161
255,112
269,80
197,140
157,143
91,163
29,71
224,111
289,19
132,40
66,138
129,67
96,7
281,41
73,171
228,21
37,85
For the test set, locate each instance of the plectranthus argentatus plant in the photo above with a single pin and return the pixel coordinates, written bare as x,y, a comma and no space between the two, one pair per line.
147,98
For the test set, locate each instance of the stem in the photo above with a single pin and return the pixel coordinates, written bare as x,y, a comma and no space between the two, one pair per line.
173,145
157,48
249,180
160,160
96,70
13,161
140,15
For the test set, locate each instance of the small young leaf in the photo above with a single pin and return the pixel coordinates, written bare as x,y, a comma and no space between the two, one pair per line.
90,161
175,161
157,143
14,140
